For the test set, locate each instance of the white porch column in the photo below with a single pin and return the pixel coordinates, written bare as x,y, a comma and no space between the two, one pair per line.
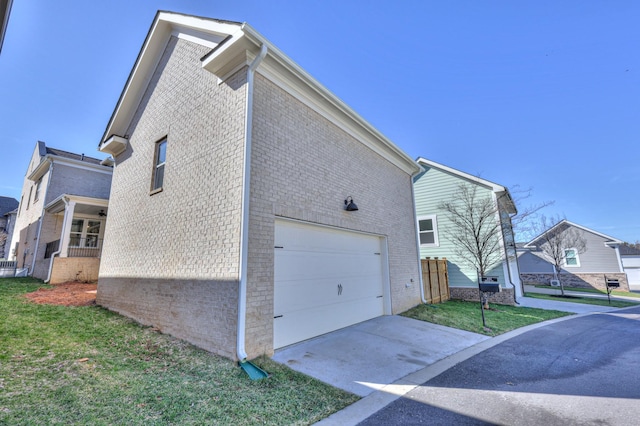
66,228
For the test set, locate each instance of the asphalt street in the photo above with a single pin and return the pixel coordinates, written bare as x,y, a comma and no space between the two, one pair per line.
581,371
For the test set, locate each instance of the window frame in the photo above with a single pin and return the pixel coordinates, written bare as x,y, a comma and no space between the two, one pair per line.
157,165
83,235
36,196
29,197
434,225
576,257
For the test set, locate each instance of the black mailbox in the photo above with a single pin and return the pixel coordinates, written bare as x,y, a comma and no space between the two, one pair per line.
489,284
613,283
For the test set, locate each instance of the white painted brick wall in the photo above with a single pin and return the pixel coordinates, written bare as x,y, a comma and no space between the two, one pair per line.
303,167
171,259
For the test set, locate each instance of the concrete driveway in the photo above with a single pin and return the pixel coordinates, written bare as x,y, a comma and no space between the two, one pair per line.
366,357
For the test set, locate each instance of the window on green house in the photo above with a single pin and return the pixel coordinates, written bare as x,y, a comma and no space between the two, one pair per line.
428,230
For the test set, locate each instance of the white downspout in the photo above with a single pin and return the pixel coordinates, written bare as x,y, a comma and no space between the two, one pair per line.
244,225
417,227
44,198
57,252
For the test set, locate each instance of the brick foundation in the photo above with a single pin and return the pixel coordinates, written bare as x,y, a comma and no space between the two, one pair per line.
83,269
505,297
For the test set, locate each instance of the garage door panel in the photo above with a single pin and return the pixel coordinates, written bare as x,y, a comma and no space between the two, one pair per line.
295,327
331,265
295,295
325,279
633,275
323,239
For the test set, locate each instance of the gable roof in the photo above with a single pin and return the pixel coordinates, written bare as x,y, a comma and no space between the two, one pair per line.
7,204
611,240
497,189
234,45
48,155
72,156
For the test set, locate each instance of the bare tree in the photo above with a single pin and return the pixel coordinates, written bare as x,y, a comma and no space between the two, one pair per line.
474,228
481,226
560,243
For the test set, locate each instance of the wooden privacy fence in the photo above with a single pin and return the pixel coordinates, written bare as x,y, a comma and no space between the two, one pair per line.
435,279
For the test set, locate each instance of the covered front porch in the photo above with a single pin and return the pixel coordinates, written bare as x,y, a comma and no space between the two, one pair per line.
75,254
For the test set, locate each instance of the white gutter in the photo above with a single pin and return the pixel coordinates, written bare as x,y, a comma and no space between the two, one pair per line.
244,226
57,252
44,197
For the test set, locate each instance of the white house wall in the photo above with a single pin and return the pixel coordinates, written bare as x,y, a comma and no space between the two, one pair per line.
171,258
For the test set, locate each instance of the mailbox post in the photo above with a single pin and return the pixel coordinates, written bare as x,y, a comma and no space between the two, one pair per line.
487,285
611,284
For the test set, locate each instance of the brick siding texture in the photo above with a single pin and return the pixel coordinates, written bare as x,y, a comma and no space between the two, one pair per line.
505,297
582,280
83,269
303,167
171,259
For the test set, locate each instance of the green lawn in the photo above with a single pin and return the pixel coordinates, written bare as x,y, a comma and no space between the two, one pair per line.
86,365
593,290
585,300
467,316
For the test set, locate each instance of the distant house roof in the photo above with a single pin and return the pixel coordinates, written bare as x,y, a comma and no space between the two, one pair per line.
49,155
7,204
71,155
611,240
626,250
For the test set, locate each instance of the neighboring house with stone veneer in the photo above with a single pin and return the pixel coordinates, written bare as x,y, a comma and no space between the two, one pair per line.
436,184
227,224
60,222
7,206
599,261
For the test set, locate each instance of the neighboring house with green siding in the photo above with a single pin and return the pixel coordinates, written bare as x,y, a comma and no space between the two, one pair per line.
439,183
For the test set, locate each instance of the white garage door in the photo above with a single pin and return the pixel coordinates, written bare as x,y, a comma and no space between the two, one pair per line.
633,275
325,279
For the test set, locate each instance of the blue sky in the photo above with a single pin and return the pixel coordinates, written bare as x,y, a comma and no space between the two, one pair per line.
541,94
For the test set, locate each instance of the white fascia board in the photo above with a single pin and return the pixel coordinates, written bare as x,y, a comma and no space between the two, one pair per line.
613,241
497,189
491,185
58,205
114,146
206,32
42,168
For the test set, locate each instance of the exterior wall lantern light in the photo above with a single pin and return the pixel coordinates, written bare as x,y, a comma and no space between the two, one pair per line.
350,205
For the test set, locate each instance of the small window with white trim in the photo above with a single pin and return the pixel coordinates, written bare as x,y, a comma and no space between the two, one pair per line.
159,163
571,258
428,231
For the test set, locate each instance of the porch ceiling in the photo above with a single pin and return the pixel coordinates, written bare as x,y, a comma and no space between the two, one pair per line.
84,205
